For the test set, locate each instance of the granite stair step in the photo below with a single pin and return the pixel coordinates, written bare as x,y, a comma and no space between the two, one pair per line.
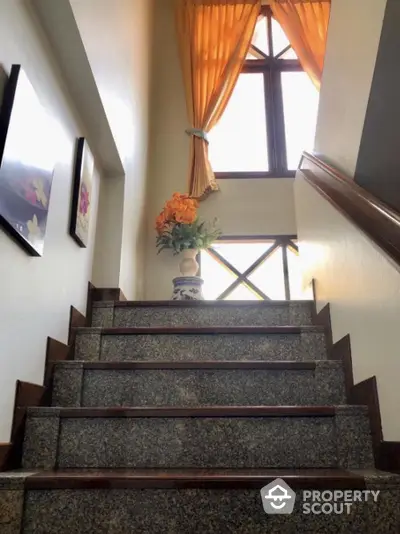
192,501
96,384
231,437
201,313
201,343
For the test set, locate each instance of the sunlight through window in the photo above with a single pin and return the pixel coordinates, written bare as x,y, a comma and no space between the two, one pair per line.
239,141
253,270
271,116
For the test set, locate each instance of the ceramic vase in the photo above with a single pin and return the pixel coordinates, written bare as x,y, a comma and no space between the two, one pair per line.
188,286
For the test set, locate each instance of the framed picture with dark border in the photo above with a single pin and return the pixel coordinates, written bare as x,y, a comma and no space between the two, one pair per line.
82,193
27,159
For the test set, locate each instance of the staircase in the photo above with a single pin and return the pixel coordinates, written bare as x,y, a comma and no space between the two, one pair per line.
173,416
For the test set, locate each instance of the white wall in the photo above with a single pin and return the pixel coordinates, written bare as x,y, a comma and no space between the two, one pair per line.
116,35
36,293
353,38
244,207
362,286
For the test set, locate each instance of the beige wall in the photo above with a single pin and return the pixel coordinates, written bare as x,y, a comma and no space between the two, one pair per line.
353,38
363,288
36,293
108,244
243,206
116,35
361,284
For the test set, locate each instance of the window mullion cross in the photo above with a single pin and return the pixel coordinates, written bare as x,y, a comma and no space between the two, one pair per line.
243,277
230,267
257,52
240,277
246,281
292,245
279,121
288,47
270,120
286,271
269,30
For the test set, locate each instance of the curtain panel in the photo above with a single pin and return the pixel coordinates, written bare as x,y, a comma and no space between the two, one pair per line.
214,37
305,23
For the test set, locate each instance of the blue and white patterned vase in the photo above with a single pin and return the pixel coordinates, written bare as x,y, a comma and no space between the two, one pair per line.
188,286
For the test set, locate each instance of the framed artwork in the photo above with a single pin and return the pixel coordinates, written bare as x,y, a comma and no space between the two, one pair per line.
26,163
82,193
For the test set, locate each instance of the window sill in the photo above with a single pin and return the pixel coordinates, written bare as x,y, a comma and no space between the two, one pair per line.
252,175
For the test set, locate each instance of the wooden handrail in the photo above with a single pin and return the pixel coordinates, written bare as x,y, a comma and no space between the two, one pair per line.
377,220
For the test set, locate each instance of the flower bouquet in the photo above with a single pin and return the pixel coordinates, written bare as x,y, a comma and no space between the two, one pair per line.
179,228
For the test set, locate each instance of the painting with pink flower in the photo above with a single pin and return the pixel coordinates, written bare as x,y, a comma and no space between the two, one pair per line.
27,160
82,190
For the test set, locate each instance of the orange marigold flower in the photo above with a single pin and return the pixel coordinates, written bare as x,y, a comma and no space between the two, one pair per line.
161,223
179,196
180,208
174,205
186,217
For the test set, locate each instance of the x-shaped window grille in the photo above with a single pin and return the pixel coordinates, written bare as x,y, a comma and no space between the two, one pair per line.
284,244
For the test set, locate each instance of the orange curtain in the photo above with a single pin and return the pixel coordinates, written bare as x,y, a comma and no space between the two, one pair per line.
214,38
305,23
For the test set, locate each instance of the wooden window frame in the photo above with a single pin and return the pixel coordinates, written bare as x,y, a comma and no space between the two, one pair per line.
278,241
271,68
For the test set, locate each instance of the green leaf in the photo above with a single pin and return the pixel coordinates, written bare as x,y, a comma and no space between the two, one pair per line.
183,236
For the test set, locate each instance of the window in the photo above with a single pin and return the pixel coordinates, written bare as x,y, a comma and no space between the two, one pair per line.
271,116
252,269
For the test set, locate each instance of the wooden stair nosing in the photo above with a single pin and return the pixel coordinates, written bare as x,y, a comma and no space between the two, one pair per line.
210,330
207,303
193,478
178,412
5,451
197,365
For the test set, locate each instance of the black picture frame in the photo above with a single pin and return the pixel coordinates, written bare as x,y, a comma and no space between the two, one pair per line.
26,163
81,193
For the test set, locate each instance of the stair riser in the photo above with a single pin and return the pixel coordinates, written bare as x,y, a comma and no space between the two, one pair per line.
281,442
96,388
118,511
91,346
105,315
